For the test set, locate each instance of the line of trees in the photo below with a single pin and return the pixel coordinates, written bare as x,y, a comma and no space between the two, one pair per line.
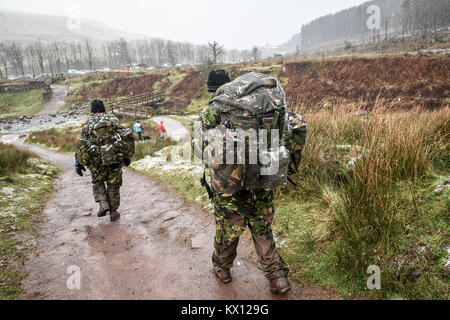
397,17
41,57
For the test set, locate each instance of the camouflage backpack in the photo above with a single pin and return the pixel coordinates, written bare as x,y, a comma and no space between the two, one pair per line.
103,142
248,105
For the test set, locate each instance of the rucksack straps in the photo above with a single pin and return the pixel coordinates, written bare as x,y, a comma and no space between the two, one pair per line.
205,184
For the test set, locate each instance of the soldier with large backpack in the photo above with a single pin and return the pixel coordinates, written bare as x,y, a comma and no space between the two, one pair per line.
242,192
104,147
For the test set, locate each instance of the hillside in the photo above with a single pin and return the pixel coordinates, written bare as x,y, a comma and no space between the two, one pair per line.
26,27
398,82
397,19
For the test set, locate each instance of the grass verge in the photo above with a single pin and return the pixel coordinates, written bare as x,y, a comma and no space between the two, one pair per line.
24,188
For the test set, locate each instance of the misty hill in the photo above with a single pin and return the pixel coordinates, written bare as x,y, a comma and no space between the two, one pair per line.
27,27
397,17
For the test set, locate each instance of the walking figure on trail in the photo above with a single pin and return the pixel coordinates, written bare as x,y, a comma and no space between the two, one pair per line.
161,129
138,129
241,196
104,147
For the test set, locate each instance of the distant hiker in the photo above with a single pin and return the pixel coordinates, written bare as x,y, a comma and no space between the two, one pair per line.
138,129
242,197
104,147
161,129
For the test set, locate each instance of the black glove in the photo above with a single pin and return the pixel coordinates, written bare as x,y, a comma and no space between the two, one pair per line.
79,169
127,162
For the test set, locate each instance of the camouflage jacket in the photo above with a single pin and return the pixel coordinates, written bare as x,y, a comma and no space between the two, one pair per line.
100,130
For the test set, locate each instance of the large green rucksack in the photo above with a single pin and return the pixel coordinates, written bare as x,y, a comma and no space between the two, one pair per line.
251,103
105,143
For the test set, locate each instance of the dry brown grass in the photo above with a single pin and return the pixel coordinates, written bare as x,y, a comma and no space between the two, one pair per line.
368,211
63,140
396,82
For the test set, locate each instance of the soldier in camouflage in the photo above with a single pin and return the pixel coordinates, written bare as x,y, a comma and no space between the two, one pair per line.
104,163
235,212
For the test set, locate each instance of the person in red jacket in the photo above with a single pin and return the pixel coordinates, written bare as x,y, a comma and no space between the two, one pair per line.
161,129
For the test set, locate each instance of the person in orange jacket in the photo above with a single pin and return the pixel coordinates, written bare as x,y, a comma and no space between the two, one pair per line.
161,129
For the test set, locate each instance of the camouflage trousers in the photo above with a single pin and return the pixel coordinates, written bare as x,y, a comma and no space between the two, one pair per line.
233,215
112,177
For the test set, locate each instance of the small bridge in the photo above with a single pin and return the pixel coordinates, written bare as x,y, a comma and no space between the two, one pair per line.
137,106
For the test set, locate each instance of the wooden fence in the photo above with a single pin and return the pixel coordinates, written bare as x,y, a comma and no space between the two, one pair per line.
137,106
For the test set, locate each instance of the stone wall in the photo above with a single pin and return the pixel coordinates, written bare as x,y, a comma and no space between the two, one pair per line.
26,86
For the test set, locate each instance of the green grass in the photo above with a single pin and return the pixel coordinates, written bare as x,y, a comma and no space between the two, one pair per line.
13,105
23,192
197,105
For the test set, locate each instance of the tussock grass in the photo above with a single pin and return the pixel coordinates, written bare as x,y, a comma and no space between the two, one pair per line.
368,204
59,139
12,160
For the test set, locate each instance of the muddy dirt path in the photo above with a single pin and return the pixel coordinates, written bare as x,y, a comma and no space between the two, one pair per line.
160,249
57,101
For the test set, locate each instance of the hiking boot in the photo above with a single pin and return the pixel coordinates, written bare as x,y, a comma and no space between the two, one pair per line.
104,209
279,286
223,275
114,215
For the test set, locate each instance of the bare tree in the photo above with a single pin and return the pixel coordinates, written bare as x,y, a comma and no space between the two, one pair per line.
141,50
171,52
4,60
39,52
65,54
89,53
57,53
255,53
124,52
30,59
216,50
202,53
14,54
159,49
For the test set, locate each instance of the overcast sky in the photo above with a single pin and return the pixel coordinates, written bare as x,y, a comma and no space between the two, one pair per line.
235,23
